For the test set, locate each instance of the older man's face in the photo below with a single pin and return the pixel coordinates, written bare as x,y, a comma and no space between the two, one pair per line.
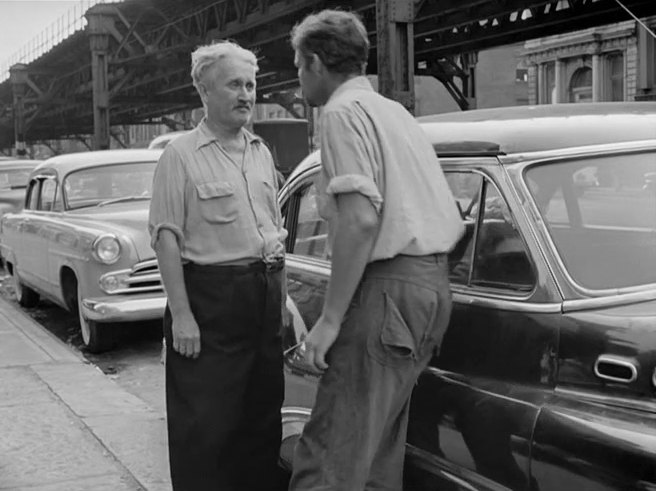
229,92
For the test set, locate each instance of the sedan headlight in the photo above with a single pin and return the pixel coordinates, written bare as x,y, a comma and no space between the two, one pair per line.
107,249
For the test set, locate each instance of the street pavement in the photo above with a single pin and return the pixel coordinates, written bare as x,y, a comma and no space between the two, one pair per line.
64,425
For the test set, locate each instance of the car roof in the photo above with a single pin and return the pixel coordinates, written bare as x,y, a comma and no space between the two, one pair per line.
156,142
524,129
63,164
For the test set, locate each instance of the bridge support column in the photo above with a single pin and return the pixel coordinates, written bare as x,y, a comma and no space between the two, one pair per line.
18,78
98,29
396,63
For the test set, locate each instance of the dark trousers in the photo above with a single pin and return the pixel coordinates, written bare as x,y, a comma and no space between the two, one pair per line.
223,408
355,438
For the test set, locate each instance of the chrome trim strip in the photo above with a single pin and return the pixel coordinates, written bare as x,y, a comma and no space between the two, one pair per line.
608,301
319,267
136,289
590,150
295,412
605,399
124,310
617,361
149,263
143,278
505,303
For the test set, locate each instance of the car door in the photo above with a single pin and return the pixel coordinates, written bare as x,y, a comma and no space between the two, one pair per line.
21,236
37,231
51,226
474,409
308,270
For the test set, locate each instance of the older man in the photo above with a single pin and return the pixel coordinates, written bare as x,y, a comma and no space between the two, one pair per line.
392,220
217,231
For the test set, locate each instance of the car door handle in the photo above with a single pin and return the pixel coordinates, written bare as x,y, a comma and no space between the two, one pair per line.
616,369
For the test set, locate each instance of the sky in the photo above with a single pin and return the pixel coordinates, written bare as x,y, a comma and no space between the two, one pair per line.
23,20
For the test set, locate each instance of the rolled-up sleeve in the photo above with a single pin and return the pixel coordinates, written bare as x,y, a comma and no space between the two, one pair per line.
348,157
167,207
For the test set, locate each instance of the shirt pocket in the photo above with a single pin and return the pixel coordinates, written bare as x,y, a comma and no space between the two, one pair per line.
217,202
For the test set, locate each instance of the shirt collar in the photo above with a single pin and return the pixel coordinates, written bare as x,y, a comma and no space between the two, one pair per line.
356,83
204,135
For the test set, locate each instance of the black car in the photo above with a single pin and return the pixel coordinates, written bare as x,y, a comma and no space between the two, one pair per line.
546,378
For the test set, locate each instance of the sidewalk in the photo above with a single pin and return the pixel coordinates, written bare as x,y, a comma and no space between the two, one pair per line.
66,426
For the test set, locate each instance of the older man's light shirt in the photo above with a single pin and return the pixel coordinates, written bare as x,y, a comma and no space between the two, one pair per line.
373,146
220,210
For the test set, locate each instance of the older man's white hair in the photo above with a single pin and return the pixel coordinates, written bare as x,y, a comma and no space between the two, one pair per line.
206,56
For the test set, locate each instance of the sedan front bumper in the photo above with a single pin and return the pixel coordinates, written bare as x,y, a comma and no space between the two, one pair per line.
124,308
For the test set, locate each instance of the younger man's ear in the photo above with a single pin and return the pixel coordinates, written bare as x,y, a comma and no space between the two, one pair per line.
316,64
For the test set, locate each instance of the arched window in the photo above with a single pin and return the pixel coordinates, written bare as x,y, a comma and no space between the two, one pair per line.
580,86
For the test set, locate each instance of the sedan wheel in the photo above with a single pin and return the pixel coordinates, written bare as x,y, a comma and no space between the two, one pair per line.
25,296
97,337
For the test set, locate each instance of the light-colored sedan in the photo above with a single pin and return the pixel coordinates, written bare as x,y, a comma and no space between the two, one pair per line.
82,242
14,174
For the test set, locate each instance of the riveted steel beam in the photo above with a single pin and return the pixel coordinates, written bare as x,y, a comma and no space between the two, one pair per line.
395,43
18,77
100,26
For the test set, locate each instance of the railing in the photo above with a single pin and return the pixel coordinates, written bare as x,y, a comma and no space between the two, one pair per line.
66,25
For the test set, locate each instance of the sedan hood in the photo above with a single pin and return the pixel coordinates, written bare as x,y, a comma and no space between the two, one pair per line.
129,220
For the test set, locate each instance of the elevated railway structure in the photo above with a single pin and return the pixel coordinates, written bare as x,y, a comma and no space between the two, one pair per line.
130,63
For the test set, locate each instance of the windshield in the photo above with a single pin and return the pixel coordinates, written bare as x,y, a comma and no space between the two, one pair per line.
601,214
114,182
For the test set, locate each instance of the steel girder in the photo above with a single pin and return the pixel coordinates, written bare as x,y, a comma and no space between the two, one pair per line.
150,43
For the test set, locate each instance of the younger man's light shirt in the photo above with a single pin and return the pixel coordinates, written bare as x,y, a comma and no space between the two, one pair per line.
373,146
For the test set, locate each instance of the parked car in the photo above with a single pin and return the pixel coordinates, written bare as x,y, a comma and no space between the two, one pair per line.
82,240
14,174
160,141
546,377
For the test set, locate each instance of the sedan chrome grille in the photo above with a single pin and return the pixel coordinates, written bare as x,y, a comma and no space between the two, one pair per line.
145,276
142,277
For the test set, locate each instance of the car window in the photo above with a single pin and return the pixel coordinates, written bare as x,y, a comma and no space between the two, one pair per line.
95,185
14,178
32,195
311,229
601,215
491,253
48,194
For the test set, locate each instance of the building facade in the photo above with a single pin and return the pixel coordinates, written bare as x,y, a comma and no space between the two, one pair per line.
602,64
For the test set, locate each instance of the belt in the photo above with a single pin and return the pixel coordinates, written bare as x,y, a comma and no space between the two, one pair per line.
270,265
261,266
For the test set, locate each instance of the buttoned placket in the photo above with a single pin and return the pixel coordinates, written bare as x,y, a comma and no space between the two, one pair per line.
242,169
